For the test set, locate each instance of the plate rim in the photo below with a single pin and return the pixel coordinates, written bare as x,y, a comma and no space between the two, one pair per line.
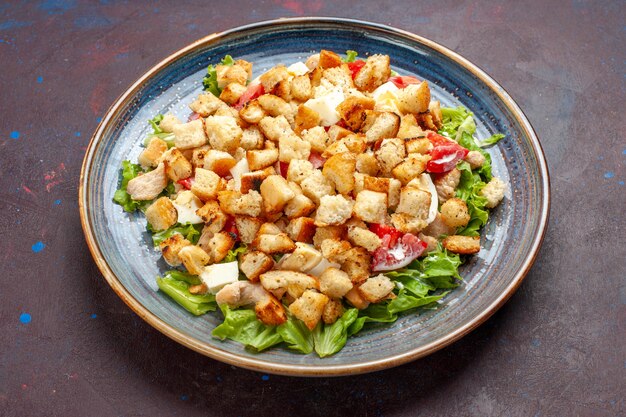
261,365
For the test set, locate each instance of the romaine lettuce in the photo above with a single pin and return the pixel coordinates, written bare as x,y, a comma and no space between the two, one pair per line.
242,326
178,290
210,80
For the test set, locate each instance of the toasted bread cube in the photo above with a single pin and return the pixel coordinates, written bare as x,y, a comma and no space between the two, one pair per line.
339,170
407,223
385,126
316,186
352,111
269,229
434,108
233,202
339,76
464,245
378,184
206,104
409,128
317,137
206,185
292,147
328,59
211,214
390,154
332,311
371,206
251,138
168,122
309,308
177,167
356,300
328,232
170,248
252,112
412,167
455,213
194,258
274,106
367,164
376,289
278,243
219,245
352,143
299,206
333,249
446,184
299,170
414,98
374,73
247,66
263,158
149,185
300,87
275,127
414,202
255,263
151,156
232,92
356,262
189,135
276,193
219,162
161,214
223,132
364,238
333,210
306,118
494,192
419,146
228,74
303,259
253,180
248,228
295,283
335,283
270,311
301,229
271,78
393,195
336,132
283,90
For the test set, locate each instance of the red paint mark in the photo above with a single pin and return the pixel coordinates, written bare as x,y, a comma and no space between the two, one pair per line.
28,190
301,7
24,386
54,178
96,101
73,376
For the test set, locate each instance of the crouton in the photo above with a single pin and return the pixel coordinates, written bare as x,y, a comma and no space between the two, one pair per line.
193,258
316,186
328,59
269,229
426,121
206,184
464,245
393,195
409,127
419,146
270,311
247,66
206,104
301,229
352,143
411,167
335,283
228,74
355,299
446,184
248,228
367,164
328,232
299,170
333,210
149,185
223,132
390,154
352,111
275,127
251,138
278,243
455,213
339,170
385,126
263,158
309,308
253,180
168,122
434,108
255,263
474,158
306,118
377,288
276,193
371,206
365,238
177,167
374,73
332,311
233,202
211,213
283,90
219,245
232,92
493,192
303,259
300,88
189,135
292,147
356,263
219,162
170,248
317,137
336,132
161,214
378,184
414,202
271,78
294,282
252,112
333,249
299,206
407,223
151,156
414,98
274,106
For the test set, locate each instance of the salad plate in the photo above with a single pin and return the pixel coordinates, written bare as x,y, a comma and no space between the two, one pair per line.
121,245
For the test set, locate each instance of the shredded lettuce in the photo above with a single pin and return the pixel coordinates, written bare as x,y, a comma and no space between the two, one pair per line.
350,56
191,232
491,140
297,336
178,290
210,80
242,326
331,338
155,122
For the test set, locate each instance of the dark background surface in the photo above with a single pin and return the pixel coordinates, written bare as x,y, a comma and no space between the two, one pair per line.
70,347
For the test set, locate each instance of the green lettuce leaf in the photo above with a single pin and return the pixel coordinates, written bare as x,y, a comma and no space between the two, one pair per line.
491,140
467,141
404,301
210,80
233,254
191,232
453,118
121,197
468,190
182,276
377,313
155,122
242,326
350,56
297,336
178,290
330,339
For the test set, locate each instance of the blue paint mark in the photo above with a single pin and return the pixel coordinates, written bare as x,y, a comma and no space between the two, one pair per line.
536,342
57,6
600,158
94,316
93,21
57,202
98,119
25,318
39,79
77,134
184,397
620,182
38,247
15,134
609,175
14,24
624,152
265,377
192,26
122,55
155,10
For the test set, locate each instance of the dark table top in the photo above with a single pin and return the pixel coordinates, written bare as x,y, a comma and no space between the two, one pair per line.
70,347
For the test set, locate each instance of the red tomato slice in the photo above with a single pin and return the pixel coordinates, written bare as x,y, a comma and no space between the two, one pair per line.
438,140
407,249
284,166
316,159
355,67
253,91
383,230
402,81
186,182
445,157
193,116
231,228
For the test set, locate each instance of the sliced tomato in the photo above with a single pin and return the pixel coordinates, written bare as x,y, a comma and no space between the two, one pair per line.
253,91
402,81
407,249
342,123
283,168
438,140
445,157
316,159
383,230
193,116
186,182
231,228
355,67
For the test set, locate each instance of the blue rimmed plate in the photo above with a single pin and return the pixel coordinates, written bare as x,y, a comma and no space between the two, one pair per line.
511,239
